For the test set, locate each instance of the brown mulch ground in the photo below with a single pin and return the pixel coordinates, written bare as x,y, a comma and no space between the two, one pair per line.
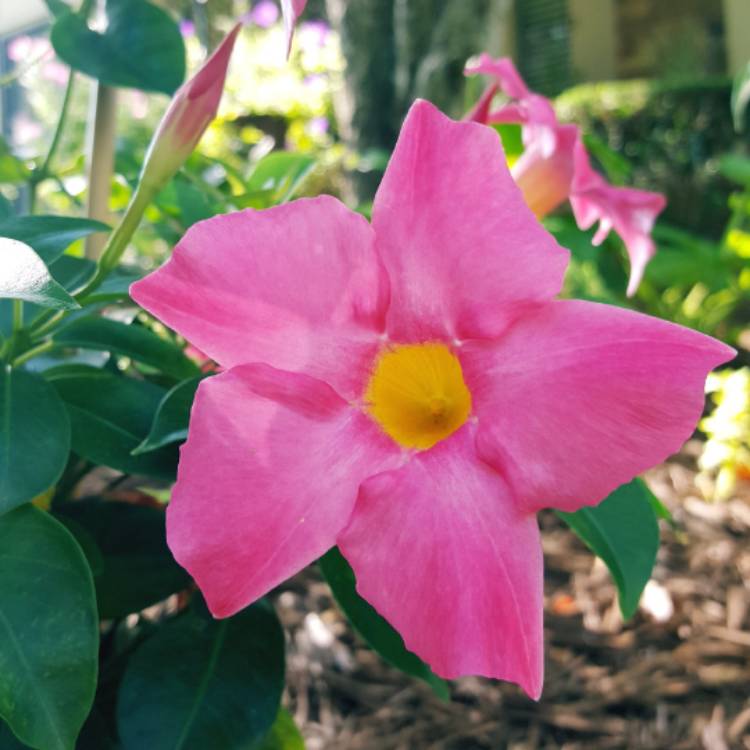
676,676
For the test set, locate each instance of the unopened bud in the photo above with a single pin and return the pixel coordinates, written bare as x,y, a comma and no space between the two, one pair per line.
190,112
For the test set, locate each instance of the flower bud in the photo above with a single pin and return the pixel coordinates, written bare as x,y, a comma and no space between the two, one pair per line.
190,112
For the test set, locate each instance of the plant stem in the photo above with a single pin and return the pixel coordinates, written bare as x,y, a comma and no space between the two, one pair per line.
35,351
118,240
44,170
17,315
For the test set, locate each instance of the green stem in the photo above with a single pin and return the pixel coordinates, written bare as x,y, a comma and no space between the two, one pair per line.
35,351
43,325
118,240
44,170
17,315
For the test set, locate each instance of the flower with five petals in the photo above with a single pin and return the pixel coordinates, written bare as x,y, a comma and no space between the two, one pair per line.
411,391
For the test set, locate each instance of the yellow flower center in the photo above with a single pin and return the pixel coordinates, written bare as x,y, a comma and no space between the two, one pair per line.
417,394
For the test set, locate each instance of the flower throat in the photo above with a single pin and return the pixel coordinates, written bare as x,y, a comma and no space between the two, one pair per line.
417,394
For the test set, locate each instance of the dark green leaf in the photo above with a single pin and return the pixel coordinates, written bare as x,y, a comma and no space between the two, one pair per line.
110,416
172,417
49,236
623,531
137,568
371,626
141,48
136,342
283,735
8,740
24,276
200,683
280,174
34,437
48,631
740,97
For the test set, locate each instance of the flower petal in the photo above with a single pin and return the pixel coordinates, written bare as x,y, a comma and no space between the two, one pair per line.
630,212
450,223
543,173
579,398
297,286
267,479
441,550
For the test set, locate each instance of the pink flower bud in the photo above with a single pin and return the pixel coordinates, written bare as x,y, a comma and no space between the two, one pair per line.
190,112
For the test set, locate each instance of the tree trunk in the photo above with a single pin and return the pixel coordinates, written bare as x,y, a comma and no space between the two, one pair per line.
398,50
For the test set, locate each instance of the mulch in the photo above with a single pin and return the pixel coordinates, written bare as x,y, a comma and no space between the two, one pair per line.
676,676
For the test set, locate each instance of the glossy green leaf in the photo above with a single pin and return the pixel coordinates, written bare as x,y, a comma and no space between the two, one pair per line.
136,342
201,683
34,437
371,626
280,175
624,532
283,735
141,47
740,97
24,276
136,567
110,415
172,417
49,236
49,631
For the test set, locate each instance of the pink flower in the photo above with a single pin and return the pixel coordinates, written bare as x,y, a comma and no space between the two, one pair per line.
291,10
190,112
411,391
631,213
555,167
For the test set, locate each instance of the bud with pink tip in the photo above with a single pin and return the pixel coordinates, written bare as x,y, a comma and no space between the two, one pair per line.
190,112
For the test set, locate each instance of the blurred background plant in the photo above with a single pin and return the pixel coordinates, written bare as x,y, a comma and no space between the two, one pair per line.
650,84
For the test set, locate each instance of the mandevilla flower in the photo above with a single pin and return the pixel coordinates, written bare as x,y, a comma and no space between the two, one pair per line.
555,167
412,392
190,112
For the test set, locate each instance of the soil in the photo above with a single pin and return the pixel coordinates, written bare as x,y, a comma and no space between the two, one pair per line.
676,676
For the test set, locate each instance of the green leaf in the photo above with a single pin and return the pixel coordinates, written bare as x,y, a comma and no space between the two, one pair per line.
12,169
280,175
49,631
34,437
141,48
8,740
371,626
617,168
136,342
172,417
623,531
740,97
510,135
24,276
109,416
201,683
736,168
283,735
49,236
137,569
